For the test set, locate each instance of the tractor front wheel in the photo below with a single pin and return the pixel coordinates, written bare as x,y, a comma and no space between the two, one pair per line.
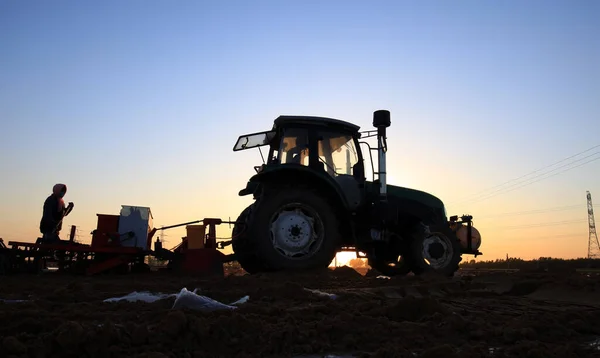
294,228
434,249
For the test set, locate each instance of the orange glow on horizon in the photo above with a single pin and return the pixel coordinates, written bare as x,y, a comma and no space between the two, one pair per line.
343,258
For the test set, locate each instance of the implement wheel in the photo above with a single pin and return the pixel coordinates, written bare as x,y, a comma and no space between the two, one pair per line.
294,228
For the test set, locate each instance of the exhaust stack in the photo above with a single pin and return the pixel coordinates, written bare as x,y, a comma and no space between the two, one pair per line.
381,120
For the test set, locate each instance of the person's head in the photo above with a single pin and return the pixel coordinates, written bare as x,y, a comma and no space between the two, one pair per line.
59,190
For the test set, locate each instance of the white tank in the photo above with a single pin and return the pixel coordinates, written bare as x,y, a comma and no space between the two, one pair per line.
461,233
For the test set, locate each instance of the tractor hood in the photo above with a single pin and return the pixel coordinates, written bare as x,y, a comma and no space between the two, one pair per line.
415,202
399,192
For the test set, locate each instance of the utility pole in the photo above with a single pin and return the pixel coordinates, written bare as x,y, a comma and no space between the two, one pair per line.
593,244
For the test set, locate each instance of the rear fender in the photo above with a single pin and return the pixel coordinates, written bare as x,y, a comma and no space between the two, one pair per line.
292,174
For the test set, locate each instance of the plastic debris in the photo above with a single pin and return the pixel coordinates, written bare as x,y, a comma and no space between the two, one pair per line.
321,293
595,344
191,300
384,277
12,301
241,301
143,296
183,299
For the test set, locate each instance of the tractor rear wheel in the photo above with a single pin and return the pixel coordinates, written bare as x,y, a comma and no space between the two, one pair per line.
434,249
294,228
242,245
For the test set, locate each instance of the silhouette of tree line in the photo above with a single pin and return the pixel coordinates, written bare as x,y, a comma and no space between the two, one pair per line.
542,263
545,263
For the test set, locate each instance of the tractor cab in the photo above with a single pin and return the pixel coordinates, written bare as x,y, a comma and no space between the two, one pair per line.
319,143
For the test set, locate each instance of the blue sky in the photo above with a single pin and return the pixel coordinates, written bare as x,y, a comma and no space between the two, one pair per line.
140,102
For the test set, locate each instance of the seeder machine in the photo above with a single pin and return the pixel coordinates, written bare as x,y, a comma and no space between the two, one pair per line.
121,244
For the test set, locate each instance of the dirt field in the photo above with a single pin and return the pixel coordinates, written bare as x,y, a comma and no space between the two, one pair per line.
495,315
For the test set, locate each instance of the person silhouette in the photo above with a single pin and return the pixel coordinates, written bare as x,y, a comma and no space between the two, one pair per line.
53,214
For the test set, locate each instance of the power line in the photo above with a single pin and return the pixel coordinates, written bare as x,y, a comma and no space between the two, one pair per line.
530,173
554,223
525,183
551,237
535,181
490,195
537,170
536,211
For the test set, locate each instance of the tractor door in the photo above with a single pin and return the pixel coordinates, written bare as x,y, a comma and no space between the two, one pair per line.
340,158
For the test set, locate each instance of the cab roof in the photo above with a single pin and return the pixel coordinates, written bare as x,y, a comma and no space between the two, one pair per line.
332,123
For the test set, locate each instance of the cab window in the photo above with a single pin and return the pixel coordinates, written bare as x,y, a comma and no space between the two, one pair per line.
338,152
294,147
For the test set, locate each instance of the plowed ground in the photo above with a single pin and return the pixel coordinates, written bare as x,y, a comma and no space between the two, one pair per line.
496,315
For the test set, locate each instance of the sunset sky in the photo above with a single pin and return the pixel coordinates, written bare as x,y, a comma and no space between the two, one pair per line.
140,103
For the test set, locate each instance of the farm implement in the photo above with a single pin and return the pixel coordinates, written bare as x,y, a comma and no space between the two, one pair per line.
121,244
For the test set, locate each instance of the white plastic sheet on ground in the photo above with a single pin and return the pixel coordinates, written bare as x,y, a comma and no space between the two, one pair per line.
194,301
321,293
183,299
143,296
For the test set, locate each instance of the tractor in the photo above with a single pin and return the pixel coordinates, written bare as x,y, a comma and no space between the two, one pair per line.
312,200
